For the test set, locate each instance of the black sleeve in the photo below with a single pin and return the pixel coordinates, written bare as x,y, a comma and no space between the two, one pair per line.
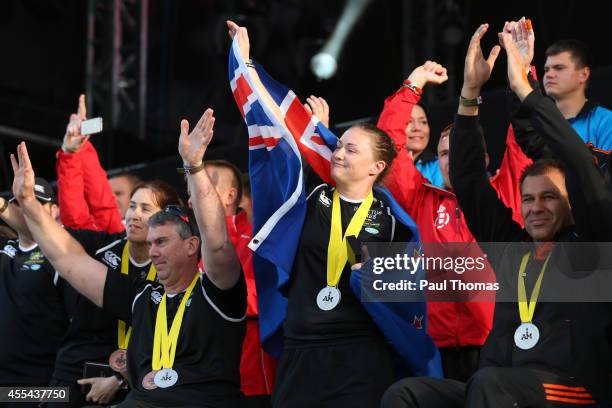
230,302
487,217
402,233
311,178
92,241
528,139
591,201
119,293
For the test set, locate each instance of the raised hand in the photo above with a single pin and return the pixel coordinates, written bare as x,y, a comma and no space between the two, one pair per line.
477,69
243,38
192,145
23,181
523,37
517,69
73,140
429,72
318,107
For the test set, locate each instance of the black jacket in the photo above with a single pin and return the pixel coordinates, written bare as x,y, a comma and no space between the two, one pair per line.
574,337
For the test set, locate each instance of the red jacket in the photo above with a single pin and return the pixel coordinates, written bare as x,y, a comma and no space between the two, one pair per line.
257,368
439,219
85,197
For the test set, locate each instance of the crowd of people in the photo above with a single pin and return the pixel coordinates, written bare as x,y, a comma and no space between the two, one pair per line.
248,292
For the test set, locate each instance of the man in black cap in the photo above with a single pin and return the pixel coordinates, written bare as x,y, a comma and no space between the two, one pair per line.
32,309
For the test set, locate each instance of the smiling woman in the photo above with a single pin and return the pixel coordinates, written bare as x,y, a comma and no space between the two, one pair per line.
326,325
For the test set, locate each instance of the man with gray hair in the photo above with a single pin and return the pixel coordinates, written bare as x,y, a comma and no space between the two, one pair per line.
179,356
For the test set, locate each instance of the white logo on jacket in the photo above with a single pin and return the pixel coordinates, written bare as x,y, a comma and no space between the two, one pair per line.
156,297
325,200
112,259
9,250
443,217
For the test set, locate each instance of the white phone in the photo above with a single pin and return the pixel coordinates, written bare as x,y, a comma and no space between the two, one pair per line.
91,126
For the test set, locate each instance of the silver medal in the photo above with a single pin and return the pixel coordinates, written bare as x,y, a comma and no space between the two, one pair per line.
526,336
166,377
328,298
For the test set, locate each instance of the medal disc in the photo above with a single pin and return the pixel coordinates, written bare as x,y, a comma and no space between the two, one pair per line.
166,377
526,336
118,360
328,298
148,382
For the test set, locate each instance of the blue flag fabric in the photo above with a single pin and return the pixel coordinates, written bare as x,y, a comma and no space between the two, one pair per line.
276,150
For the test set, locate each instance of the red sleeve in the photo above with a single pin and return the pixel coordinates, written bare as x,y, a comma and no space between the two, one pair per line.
507,180
404,180
98,193
240,232
74,212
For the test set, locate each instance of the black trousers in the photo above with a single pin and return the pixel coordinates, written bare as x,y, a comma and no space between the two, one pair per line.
488,387
349,375
460,363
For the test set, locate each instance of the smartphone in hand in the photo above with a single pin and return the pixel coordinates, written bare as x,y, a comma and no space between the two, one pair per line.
91,126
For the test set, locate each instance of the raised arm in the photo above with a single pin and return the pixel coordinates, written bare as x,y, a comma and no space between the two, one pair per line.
85,197
404,180
591,201
13,216
526,136
218,255
486,215
67,256
242,35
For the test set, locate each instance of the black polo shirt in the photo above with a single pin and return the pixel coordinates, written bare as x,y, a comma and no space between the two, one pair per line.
209,346
33,317
92,333
305,321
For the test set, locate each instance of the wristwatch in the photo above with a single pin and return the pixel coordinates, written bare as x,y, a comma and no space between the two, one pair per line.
470,102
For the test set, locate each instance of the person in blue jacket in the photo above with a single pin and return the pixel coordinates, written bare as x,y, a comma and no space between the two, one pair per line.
566,77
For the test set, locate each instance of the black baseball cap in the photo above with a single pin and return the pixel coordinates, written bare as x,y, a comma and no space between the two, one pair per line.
42,190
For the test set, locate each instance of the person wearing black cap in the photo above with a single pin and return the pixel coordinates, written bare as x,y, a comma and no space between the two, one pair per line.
195,362
33,313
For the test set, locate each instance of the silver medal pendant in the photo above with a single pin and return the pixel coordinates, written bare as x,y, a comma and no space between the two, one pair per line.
328,298
526,336
166,377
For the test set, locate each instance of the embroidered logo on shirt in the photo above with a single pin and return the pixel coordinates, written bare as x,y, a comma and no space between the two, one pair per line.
112,259
443,217
325,200
9,250
34,261
156,297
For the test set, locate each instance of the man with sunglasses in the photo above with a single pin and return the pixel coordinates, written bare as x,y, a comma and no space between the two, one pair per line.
177,355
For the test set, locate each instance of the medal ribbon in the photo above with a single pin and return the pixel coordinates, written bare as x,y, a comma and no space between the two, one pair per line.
123,331
527,310
164,343
338,248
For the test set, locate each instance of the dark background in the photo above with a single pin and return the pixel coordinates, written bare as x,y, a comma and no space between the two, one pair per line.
43,66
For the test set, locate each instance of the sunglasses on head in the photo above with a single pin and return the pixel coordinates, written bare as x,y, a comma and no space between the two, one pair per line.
180,212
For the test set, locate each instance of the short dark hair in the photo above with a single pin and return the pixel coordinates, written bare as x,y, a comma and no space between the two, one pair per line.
163,193
384,148
181,217
133,179
236,175
540,168
578,50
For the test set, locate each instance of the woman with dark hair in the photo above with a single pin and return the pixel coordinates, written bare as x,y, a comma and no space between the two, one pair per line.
88,211
334,352
417,139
